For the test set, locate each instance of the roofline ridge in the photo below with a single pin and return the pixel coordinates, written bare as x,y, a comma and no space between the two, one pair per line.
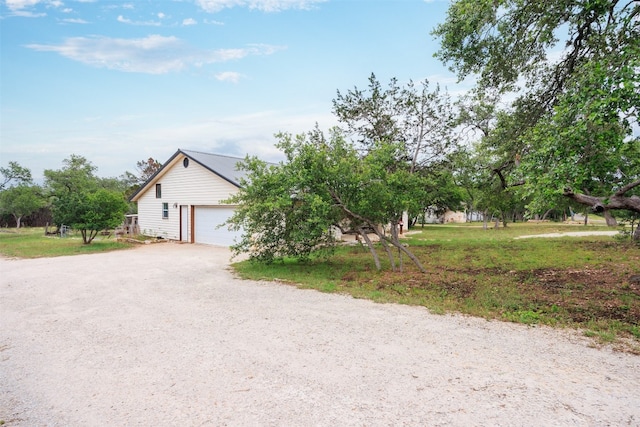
213,154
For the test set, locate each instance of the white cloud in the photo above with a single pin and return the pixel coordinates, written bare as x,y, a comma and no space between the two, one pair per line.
20,5
263,5
26,14
229,76
213,22
154,54
75,21
161,15
189,21
14,5
142,23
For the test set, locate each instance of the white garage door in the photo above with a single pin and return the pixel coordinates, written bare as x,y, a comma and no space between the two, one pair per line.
207,220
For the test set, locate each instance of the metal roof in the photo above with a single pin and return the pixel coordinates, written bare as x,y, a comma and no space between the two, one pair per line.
224,166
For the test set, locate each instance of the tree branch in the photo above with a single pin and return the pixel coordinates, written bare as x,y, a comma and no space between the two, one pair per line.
627,187
614,202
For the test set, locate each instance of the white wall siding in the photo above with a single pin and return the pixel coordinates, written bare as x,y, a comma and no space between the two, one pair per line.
192,186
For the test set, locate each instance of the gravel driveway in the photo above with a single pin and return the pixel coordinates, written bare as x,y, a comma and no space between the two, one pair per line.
163,335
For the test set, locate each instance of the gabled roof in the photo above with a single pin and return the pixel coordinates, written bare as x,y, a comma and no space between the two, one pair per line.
223,166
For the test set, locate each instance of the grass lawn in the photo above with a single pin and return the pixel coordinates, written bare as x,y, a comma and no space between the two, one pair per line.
32,243
578,282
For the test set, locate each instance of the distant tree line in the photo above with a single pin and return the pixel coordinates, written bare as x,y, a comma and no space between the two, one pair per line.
73,196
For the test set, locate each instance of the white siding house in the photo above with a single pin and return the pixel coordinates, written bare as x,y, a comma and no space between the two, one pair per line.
184,199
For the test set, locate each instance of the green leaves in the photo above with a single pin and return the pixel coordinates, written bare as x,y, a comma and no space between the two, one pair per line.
414,117
21,200
290,210
14,172
570,125
90,212
76,175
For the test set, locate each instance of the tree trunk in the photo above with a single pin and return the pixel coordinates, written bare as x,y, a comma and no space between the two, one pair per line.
397,244
18,219
383,242
372,249
611,221
411,256
636,234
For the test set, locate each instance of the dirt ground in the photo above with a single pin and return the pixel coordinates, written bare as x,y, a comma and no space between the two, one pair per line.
164,335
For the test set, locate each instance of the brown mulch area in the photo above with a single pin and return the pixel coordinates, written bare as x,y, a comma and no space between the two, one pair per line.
587,293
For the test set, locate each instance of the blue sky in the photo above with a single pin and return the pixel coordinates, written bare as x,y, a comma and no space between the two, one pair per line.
119,82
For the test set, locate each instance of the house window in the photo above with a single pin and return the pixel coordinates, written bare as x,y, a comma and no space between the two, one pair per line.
185,162
165,210
158,191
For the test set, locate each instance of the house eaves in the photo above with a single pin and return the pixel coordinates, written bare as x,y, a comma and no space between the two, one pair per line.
223,166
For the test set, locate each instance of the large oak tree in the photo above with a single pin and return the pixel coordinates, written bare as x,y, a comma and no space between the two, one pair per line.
572,67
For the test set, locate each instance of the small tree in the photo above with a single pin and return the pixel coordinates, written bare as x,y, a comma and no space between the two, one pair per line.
90,212
288,210
20,201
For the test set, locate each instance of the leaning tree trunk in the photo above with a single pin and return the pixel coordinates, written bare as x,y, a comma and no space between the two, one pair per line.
610,220
383,242
396,240
372,248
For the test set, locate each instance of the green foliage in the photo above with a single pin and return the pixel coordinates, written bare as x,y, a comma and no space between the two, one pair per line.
289,209
278,219
21,200
417,118
568,133
76,176
90,212
597,154
503,41
84,201
14,172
